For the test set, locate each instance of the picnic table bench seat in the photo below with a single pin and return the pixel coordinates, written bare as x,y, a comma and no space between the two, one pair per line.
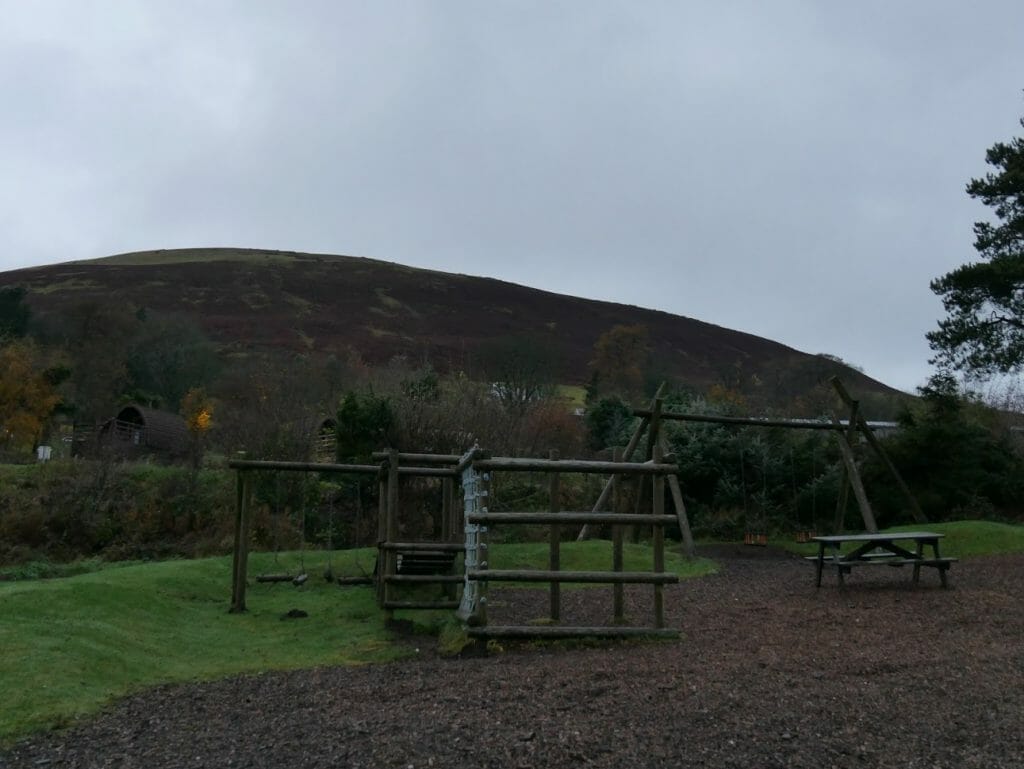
887,559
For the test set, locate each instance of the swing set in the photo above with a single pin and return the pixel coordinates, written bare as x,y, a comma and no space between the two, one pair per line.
806,534
298,579
418,562
846,434
755,532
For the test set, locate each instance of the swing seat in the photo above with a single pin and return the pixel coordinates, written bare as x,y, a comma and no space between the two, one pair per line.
296,579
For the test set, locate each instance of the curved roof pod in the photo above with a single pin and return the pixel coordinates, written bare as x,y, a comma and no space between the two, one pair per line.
160,430
323,436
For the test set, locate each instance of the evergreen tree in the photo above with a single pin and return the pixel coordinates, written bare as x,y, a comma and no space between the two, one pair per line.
984,330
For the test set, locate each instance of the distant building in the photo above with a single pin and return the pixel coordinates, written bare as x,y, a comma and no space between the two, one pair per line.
141,430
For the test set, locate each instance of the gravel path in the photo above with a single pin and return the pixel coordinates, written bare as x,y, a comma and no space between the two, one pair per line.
770,673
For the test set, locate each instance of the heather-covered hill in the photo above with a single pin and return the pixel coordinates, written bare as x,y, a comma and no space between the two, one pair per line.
257,300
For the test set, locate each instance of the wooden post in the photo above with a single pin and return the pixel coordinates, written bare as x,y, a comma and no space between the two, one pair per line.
447,524
858,486
634,441
236,553
390,559
873,442
655,432
846,441
617,589
658,489
241,559
845,476
587,531
382,506
554,542
639,502
606,467
382,523
677,501
641,490
838,524
652,443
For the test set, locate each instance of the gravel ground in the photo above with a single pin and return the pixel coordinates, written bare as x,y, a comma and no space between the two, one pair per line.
770,673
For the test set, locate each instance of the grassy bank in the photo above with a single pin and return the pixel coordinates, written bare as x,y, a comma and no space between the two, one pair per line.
968,539
72,644
962,539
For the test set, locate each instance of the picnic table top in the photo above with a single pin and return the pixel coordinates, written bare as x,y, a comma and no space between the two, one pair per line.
884,537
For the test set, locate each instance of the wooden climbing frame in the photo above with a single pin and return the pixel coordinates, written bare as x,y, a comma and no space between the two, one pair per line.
416,563
478,575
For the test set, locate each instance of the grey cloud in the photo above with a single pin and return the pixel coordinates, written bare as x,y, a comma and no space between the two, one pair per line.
791,169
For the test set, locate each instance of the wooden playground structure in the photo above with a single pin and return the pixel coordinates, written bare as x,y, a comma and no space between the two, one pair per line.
479,574
404,563
464,532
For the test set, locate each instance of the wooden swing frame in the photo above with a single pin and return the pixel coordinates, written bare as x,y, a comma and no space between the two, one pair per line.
846,435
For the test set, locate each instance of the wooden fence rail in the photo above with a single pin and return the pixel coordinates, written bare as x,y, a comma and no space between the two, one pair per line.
574,466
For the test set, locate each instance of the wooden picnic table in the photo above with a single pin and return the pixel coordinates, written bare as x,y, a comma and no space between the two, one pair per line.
881,550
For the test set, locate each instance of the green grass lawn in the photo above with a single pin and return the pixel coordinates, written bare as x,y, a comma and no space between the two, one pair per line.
963,539
574,394
966,539
71,645
592,555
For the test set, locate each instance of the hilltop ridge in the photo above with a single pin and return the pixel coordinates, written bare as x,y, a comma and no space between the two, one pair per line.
260,299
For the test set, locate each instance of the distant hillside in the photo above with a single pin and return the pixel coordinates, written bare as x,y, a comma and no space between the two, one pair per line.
252,300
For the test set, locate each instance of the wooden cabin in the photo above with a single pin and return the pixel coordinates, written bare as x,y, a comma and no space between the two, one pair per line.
142,430
324,438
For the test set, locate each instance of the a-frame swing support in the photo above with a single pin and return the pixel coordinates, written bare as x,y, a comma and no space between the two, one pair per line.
650,424
856,418
846,435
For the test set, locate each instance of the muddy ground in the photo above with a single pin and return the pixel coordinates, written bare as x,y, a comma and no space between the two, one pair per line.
770,672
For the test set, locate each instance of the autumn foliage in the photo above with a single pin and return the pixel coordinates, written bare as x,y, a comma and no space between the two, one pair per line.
620,359
26,397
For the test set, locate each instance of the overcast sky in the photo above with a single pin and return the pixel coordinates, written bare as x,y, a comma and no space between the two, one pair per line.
791,169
